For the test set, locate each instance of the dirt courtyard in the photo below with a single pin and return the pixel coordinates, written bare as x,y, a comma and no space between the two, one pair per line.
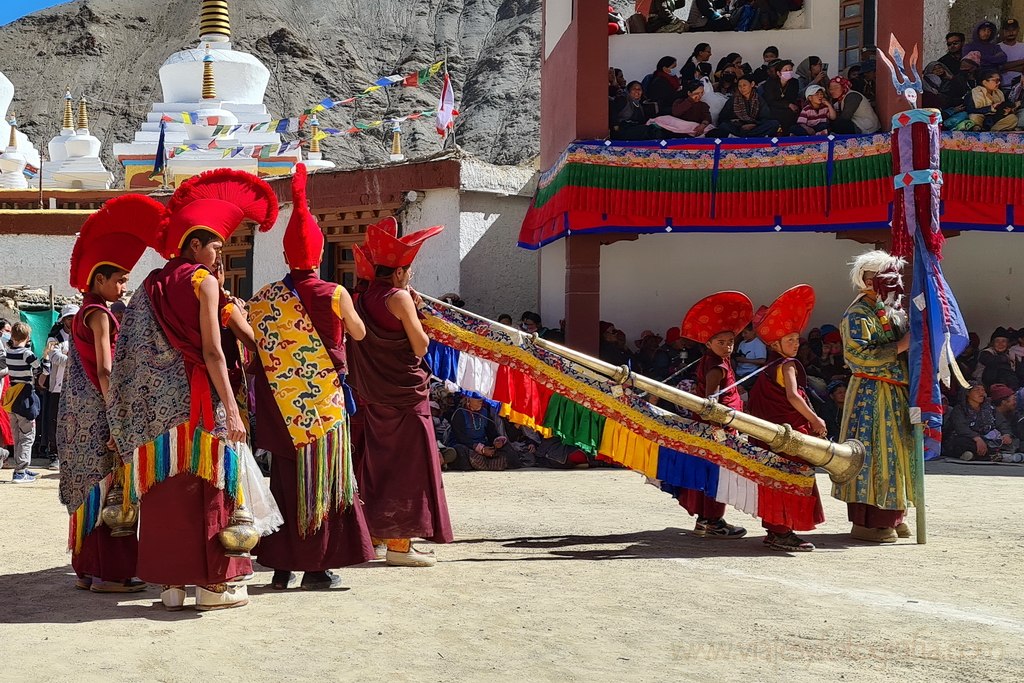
561,576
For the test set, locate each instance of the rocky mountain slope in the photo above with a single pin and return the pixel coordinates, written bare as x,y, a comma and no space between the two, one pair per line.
112,50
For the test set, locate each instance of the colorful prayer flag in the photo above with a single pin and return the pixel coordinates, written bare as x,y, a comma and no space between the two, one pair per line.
446,107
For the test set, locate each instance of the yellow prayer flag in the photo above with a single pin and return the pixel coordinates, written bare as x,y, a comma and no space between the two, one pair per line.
320,135
186,119
434,68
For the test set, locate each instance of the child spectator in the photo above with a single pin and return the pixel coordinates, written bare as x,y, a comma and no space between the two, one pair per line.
987,107
21,401
817,114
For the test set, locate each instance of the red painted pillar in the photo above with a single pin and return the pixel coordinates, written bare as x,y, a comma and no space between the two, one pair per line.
905,20
583,292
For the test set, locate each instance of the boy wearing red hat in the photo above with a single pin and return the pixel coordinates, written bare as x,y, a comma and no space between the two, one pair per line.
106,250
301,323
779,393
173,413
714,321
398,466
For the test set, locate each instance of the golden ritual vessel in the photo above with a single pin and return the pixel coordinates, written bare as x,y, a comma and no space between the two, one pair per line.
240,536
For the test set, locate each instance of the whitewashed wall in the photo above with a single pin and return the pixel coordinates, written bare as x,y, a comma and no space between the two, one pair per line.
436,270
496,276
39,261
268,252
637,54
650,283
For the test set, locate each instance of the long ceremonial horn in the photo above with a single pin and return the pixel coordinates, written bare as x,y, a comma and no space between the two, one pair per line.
842,461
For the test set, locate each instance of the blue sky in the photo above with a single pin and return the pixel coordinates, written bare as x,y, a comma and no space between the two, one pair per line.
15,9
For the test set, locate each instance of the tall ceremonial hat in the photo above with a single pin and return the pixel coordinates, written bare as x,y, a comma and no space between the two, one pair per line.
717,313
787,315
303,238
116,235
386,249
364,266
217,201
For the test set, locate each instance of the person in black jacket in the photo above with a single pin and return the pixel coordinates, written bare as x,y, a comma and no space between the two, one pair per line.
999,367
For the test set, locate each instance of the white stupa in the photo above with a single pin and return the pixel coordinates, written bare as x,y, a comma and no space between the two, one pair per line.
75,162
223,87
13,162
21,142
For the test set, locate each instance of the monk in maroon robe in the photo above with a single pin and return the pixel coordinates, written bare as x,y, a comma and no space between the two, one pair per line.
397,463
779,394
715,321
340,538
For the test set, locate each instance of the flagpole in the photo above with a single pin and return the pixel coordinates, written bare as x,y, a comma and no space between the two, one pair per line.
454,143
922,529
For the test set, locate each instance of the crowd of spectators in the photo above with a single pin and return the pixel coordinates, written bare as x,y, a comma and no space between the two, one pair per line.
977,83
779,97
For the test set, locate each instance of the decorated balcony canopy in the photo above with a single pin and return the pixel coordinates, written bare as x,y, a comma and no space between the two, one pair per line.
810,184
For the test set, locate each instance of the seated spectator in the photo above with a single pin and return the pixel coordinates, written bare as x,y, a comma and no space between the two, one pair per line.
616,84
865,82
453,299
692,70
997,366
726,85
670,358
854,113
628,120
986,106
747,114
958,89
704,17
935,80
554,454
646,348
1004,400
661,17
443,434
505,319
968,358
832,409
954,52
772,14
691,116
770,54
751,354
610,350
817,114
530,323
1016,351
833,362
477,441
810,72
974,430
984,43
1014,52
663,87
782,93
731,63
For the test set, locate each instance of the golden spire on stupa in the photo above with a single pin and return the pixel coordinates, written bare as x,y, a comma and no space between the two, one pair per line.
13,123
83,114
214,21
209,87
314,129
69,115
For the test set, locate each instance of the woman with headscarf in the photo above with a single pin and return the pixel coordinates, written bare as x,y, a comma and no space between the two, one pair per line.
854,113
811,71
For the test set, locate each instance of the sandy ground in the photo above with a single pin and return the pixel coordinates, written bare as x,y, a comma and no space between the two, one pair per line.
561,576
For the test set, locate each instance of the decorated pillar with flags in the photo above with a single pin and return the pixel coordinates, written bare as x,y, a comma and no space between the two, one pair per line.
937,330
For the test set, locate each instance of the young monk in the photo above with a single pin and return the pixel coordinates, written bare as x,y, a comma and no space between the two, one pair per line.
398,466
173,412
779,395
714,321
301,321
106,250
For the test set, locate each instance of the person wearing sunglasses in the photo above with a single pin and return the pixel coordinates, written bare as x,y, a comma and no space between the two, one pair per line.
987,107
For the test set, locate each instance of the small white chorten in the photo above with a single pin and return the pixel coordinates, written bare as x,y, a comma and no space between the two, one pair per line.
13,162
79,167
187,80
316,159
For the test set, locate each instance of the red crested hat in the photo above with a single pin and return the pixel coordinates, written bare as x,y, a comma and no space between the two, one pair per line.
385,249
217,201
721,312
303,238
787,315
116,235
364,267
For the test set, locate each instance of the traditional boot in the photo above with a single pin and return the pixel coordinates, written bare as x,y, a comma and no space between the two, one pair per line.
220,596
863,533
173,598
